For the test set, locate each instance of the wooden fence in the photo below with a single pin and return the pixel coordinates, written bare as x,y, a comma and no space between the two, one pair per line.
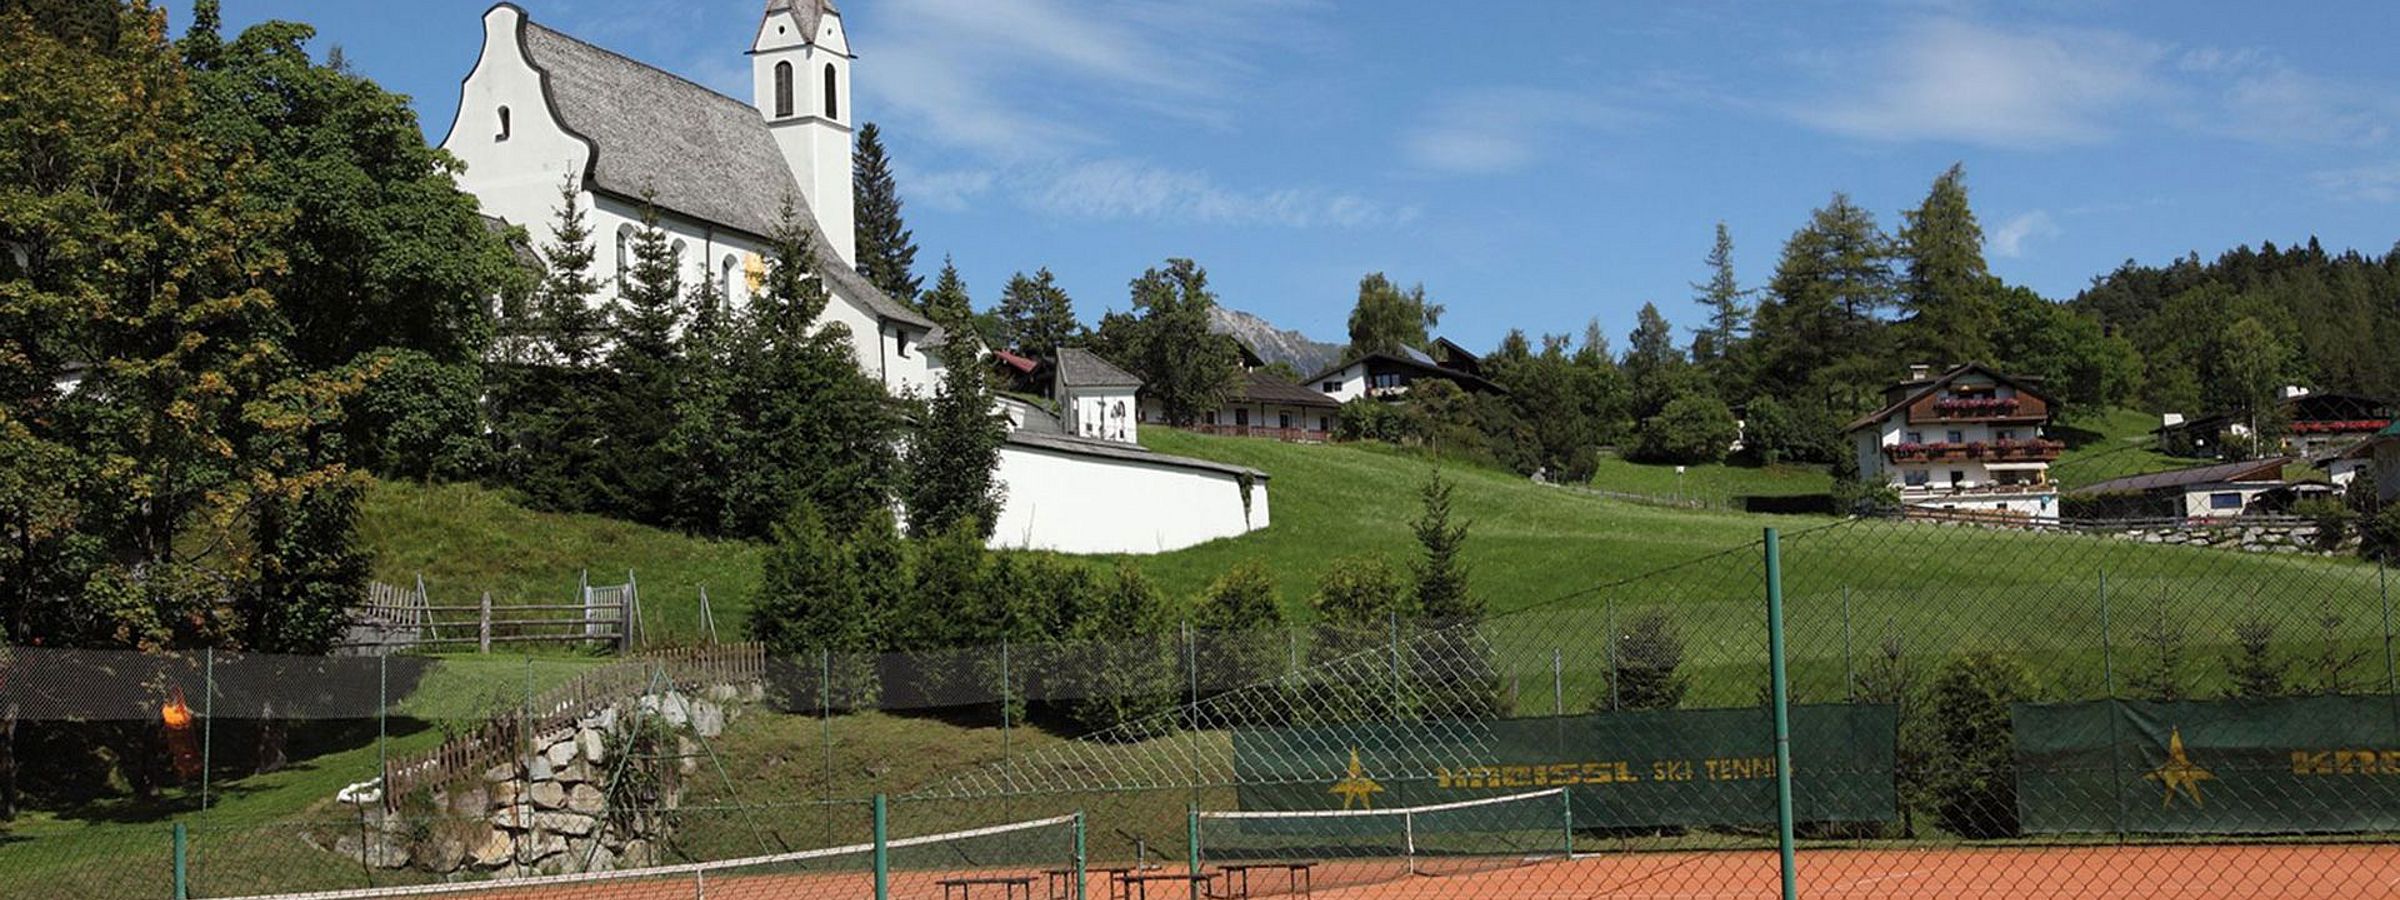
398,618
506,735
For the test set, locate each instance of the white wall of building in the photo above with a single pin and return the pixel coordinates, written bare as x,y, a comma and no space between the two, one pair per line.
1071,503
1100,413
815,140
1352,384
2202,501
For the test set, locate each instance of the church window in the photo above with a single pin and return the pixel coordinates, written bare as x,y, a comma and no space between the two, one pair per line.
725,278
783,90
900,341
624,251
833,108
503,123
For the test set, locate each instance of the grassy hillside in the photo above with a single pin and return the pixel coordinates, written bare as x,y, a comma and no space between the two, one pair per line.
2112,444
1713,484
465,539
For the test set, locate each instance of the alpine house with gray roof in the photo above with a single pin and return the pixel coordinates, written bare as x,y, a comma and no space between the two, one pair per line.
542,108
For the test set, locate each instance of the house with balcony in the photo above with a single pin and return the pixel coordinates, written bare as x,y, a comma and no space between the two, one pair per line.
1387,376
1263,404
2315,424
1967,440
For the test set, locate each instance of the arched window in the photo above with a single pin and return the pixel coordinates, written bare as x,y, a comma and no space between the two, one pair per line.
783,90
833,107
503,123
624,251
725,278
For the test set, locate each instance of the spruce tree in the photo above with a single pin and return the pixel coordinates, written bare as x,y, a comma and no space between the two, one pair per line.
637,458
810,606
1441,587
1820,333
1035,315
1948,290
887,251
952,454
573,326
948,303
1727,306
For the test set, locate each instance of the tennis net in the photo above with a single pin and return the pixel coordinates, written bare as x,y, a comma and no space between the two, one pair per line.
1334,848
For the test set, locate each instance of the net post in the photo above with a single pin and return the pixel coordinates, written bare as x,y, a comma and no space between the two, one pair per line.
1781,688
1080,859
1408,838
883,849
699,884
182,859
1566,804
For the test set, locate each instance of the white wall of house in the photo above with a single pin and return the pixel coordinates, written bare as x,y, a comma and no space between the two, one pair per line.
1071,503
2346,472
1344,386
2223,501
1100,413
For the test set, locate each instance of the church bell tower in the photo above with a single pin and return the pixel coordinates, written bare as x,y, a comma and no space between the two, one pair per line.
800,70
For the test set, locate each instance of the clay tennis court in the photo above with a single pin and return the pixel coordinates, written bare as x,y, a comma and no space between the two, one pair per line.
2184,872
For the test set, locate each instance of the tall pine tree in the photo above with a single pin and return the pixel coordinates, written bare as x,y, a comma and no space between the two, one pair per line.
636,457
952,454
1035,314
948,303
887,251
1820,333
1726,305
1948,292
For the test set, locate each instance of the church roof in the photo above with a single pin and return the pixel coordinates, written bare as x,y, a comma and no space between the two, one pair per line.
810,12
691,150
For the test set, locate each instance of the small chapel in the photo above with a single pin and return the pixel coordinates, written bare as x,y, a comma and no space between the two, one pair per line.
542,109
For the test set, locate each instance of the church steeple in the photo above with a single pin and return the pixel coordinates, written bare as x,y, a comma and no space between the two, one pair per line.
800,69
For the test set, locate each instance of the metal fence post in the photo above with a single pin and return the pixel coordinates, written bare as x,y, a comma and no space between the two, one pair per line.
883,849
825,714
1005,745
1849,662
2108,664
182,857
1395,639
1608,620
1558,682
1191,843
1780,686
1080,859
208,720
383,765
2391,668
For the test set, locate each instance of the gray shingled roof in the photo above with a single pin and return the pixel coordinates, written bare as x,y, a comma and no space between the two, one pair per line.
696,152
1078,367
810,12
2246,470
1261,387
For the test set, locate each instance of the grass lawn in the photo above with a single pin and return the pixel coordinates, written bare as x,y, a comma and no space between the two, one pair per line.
1716,485
2114,444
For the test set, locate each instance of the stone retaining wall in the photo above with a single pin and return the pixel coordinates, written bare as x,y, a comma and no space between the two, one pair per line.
549,813
2249,538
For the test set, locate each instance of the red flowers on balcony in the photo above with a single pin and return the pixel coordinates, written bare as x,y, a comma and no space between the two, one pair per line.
2340,426
1976,406
2035,450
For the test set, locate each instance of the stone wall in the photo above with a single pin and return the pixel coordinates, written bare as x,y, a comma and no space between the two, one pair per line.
550,813
2278,537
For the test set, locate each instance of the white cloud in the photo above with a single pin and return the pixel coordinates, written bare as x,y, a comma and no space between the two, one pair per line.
2373,183
1026,100
1496,130
2258,97
2008,241
1954,80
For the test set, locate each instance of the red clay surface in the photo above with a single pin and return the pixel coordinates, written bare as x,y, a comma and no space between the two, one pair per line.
2256,872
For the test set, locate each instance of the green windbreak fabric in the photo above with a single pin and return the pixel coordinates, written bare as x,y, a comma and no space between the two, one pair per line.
1633,769
2272,766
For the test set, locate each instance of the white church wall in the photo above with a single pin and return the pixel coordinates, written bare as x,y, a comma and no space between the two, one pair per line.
1106,414
1069,503
517,178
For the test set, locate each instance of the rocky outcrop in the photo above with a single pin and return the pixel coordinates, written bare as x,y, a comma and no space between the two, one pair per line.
552,813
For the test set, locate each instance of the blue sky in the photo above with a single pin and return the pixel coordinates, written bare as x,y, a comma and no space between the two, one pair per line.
1537,164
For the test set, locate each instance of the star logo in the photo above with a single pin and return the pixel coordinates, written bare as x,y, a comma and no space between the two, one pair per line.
2179,775
1356,790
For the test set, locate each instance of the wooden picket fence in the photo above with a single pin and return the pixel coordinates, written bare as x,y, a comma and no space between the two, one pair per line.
505,735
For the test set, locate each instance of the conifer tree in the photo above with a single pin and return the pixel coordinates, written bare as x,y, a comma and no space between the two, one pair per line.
887,251
636,458
1727,306
948,303
1441,587
1820,333
1948,289
952,454
1035,315
573,324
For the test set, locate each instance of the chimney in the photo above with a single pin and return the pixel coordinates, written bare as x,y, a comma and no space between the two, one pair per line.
1919,371
2294,392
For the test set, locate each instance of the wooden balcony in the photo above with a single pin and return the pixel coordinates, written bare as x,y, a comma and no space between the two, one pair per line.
2034,451
1286,435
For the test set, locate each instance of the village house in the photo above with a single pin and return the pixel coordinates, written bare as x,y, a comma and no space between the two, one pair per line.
1263,404
2315,425
541,109
1387,376
2221,491
1967,440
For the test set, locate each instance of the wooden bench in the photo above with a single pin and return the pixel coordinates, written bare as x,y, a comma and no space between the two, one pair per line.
1299,876
1062,881
1010,886
1138,886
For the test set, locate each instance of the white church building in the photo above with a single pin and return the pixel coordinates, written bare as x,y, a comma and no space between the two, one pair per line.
541,107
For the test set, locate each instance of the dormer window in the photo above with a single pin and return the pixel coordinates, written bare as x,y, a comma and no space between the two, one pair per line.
783,90
833,108
503,124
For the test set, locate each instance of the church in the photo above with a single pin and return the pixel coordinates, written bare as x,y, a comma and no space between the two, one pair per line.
542,108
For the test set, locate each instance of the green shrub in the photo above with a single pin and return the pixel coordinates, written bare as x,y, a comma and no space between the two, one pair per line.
1692,428
1974,769
417,418
1123,660
1648,671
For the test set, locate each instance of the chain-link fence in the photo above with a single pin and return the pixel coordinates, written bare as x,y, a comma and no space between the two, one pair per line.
1965,711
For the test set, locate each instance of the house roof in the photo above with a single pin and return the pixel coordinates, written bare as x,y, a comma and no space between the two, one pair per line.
1263,387
1921,389
1079,446
660,139
1023,364
1414,359
1078,367
2221,473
